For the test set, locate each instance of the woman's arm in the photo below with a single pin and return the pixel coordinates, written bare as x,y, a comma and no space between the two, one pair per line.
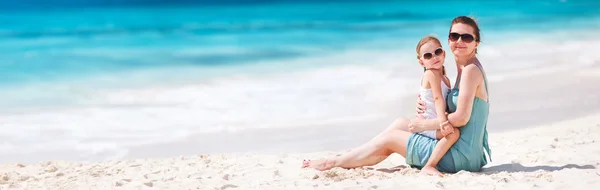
420,106
470,79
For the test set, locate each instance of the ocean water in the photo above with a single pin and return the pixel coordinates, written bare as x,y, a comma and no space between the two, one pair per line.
95,77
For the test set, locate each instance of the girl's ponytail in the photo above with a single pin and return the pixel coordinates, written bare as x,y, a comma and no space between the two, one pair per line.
443,70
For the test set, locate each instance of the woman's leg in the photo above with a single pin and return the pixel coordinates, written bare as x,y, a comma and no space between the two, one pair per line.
376,150
400,123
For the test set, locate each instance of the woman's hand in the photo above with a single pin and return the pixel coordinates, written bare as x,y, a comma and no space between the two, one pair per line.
420,107
416,125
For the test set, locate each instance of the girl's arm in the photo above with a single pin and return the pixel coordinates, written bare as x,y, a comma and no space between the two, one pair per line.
436,87
418,124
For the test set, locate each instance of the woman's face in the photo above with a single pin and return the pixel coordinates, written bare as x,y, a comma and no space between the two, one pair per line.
462,40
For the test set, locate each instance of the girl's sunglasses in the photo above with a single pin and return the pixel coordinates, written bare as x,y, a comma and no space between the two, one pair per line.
467,38
437,52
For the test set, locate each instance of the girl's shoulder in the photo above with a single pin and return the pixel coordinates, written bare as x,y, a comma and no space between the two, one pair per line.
430,77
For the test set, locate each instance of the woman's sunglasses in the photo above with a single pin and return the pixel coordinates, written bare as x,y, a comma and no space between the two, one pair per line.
437,52
467,38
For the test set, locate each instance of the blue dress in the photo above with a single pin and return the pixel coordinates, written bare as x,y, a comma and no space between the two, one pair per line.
468,152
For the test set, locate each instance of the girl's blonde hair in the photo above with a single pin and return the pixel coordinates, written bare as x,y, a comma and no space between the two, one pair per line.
423,41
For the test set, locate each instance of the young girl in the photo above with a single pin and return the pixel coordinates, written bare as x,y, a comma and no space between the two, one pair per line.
434,89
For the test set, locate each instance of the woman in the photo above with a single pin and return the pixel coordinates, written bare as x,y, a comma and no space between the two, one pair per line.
468,110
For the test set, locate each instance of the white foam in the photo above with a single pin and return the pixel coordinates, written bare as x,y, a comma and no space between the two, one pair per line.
108,120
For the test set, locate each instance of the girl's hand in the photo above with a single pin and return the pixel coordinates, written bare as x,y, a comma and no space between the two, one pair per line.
446,128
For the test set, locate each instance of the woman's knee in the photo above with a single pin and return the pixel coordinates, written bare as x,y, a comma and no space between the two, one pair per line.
400,123
395,141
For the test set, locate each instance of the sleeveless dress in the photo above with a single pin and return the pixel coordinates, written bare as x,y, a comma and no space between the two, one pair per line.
468,152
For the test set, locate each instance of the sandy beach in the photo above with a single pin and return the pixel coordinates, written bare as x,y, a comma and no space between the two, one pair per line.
562,155
550,142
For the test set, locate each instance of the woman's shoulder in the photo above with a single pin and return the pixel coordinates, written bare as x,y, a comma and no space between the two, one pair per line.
472,68
472,72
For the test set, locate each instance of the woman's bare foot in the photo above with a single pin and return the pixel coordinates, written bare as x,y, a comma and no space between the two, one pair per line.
429,170
320,165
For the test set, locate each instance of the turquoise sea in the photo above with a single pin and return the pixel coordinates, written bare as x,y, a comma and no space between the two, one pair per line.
117,41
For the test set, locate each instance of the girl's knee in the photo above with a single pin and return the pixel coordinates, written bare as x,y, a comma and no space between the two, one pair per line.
454,136
456,131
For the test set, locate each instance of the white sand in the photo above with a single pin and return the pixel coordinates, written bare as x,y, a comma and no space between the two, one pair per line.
563,155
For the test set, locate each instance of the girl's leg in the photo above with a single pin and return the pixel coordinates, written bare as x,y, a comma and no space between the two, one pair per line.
439,151
371,153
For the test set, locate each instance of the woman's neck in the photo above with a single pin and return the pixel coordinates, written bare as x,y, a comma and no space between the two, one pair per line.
462,61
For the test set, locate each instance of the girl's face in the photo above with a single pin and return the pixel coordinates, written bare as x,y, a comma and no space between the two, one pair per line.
431,55
462,40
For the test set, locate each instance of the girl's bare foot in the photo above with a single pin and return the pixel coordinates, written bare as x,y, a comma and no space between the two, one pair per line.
320,165
429,170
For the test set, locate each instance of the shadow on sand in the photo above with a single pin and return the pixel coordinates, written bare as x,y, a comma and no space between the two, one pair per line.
509,168
388,170
516,167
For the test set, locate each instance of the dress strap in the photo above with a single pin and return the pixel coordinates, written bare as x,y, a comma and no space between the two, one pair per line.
457,82
478,64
